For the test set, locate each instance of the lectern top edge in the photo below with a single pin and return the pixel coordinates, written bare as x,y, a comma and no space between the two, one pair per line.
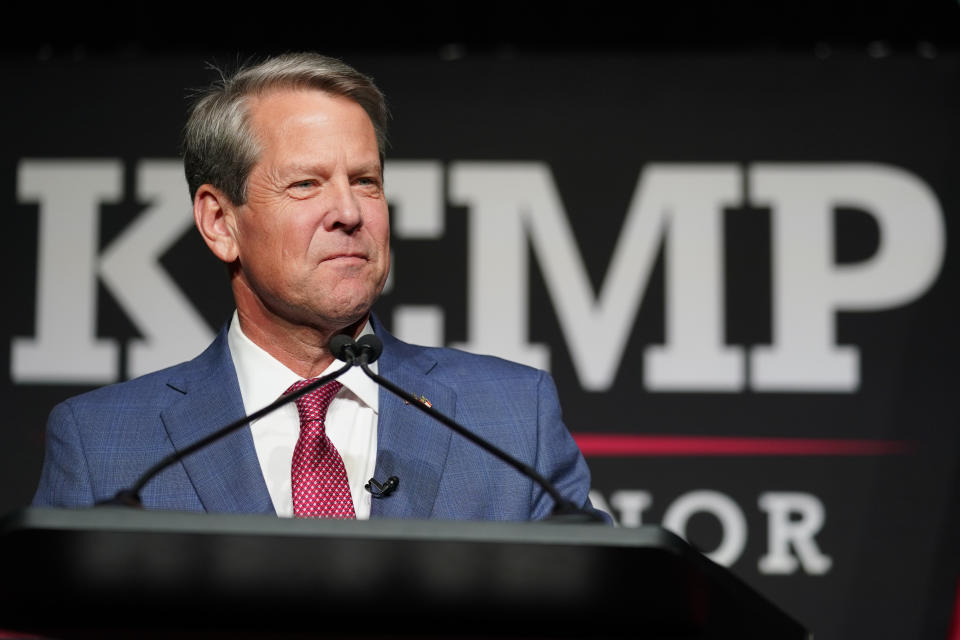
133,520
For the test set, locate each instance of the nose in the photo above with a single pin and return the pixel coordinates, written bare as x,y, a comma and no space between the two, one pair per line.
343,208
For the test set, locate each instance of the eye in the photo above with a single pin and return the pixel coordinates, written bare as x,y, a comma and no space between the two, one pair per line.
368,181
302,188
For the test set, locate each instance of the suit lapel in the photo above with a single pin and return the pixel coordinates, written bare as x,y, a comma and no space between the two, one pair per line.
226,474
410,444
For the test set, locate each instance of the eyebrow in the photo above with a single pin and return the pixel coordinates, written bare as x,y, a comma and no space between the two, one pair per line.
373,166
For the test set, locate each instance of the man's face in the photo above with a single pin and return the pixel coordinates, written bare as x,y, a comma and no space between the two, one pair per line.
313,237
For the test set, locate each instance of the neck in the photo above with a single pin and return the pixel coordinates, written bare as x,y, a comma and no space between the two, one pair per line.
301,346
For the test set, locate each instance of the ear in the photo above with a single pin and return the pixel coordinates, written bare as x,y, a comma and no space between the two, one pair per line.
215,217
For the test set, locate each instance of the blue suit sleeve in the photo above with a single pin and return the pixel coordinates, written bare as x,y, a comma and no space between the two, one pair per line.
558,457
65,478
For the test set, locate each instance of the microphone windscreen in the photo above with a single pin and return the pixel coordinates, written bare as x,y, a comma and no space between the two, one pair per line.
371,346
343,347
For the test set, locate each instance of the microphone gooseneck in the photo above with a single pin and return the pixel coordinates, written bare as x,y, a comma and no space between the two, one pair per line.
371,347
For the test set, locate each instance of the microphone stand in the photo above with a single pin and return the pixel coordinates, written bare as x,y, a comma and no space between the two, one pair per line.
362,353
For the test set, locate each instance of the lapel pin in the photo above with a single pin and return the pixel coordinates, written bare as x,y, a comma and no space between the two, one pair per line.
423,400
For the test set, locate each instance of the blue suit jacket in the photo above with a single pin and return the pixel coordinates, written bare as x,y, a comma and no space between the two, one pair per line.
100,442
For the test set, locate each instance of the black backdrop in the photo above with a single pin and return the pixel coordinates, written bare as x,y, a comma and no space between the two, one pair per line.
580,140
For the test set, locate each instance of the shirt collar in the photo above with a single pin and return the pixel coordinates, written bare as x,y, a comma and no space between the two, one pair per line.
263,378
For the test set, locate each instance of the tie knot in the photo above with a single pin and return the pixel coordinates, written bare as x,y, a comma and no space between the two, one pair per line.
313,405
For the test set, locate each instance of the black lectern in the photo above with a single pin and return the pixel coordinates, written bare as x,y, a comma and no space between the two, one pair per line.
108,572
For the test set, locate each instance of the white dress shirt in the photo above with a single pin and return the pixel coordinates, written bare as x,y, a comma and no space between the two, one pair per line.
351,421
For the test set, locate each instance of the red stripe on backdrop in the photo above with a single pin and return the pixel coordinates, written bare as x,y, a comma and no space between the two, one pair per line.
954,633
600,445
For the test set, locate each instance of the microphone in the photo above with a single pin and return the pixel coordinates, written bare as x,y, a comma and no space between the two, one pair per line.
367,349
342,346
378,490
370,347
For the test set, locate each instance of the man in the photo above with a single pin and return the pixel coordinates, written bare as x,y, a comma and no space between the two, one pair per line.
284,162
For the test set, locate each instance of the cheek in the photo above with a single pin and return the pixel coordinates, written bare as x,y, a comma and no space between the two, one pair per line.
290,235
379,227
265,245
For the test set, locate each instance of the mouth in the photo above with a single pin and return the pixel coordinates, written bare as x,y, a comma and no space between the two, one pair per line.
346,258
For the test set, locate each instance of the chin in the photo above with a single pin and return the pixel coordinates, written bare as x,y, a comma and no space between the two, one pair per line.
344,316
345,304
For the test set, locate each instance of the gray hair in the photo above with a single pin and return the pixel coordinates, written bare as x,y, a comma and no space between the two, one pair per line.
218,146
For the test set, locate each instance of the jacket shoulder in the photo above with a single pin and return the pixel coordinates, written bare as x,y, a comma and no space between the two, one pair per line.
464,365
147,388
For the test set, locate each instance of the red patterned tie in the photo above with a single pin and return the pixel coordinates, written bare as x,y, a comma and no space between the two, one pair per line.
320,487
